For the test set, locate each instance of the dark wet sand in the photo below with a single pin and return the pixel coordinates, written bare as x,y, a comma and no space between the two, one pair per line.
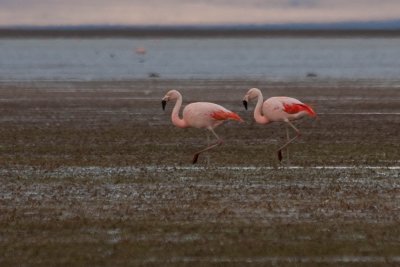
93,173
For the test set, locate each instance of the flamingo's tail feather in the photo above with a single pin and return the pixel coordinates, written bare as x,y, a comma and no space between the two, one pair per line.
296,108
226,115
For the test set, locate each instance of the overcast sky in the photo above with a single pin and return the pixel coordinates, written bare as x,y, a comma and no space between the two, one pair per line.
171,12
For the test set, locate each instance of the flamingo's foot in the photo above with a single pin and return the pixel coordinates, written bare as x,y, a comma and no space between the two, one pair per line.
280,155
195,158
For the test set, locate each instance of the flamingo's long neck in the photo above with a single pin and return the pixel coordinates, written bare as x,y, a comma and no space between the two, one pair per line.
258,116
175,114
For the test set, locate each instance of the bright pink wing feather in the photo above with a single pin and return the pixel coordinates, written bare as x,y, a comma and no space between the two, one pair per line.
225,115
296,108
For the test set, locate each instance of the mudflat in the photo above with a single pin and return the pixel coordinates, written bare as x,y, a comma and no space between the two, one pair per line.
94,173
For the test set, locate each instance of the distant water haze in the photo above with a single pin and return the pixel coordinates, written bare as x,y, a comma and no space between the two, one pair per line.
186,12
286,59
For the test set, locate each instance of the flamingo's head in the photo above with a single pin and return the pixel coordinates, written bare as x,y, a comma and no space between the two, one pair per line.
171,95
250,95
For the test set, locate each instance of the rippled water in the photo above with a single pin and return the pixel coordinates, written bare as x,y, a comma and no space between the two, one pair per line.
269,58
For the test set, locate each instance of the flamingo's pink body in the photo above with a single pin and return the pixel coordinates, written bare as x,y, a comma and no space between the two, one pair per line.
202,115
199,115
280,108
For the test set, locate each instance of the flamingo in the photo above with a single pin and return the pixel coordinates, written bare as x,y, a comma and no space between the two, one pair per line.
199,115
280,108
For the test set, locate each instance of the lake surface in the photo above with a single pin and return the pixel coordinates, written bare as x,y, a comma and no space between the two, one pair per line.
261,58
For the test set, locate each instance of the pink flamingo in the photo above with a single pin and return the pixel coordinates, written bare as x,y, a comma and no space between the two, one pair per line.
279,108
199,115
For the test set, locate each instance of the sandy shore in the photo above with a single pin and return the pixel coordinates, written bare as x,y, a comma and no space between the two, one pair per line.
93,173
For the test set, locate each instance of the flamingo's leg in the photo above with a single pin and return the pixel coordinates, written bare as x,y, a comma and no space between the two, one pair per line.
218,143
289,141
287,148
208,144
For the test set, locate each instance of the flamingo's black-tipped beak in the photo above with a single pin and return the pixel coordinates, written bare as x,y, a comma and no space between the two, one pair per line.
245,104
163,103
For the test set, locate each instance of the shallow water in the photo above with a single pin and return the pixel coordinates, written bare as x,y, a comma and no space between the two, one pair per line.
96,171
270,58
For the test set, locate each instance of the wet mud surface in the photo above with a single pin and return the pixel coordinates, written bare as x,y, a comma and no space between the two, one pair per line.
93,173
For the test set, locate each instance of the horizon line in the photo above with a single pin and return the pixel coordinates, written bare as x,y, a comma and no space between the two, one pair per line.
392,23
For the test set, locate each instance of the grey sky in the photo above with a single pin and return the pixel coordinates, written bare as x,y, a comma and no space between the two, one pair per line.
170,12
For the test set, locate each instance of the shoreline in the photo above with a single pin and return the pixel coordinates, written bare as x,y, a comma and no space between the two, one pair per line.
277,82
193,33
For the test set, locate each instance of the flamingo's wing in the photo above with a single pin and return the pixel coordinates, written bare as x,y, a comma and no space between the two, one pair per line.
293,108
225,115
